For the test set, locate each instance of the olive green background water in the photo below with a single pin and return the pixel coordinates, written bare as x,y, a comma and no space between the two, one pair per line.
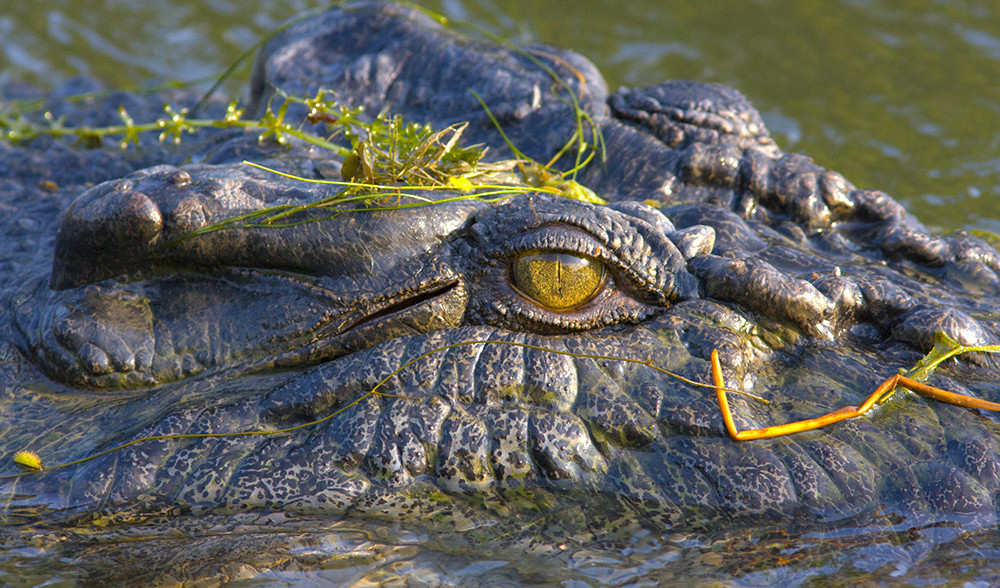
902,96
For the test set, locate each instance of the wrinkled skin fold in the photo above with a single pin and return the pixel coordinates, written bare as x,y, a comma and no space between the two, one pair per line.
813,292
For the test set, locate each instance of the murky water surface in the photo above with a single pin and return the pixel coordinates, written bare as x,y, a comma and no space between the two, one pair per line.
898,96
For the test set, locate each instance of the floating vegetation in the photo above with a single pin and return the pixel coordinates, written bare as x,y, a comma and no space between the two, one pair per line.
175,123
29,461
387,162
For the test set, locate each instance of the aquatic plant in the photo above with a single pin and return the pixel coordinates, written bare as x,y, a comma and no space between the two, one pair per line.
944,348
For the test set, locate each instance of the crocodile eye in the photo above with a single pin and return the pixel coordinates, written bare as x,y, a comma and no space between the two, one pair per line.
557,281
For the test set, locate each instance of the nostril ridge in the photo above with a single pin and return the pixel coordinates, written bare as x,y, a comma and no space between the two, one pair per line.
138,221
104,234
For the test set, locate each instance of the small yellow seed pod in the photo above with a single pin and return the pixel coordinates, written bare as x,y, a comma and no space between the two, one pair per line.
29,460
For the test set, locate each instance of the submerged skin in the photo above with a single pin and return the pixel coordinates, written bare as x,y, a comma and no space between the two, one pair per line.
812,291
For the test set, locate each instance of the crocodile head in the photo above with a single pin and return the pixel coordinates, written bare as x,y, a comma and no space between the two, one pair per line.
138,298
521,315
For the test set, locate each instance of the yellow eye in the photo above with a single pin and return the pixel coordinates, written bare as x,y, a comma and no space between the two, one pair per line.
558,281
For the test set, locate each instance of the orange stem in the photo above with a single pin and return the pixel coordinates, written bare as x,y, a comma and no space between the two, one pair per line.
847,412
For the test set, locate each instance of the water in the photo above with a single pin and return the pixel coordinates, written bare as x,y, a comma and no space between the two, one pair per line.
901,97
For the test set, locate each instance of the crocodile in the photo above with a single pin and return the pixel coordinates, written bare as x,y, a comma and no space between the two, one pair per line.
519,405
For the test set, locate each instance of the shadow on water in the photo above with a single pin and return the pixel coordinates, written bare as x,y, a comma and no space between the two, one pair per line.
900,99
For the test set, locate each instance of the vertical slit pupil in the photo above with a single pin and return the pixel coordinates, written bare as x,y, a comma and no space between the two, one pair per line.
557,280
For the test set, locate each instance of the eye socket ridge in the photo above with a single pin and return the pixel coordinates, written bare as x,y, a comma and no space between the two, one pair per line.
555,280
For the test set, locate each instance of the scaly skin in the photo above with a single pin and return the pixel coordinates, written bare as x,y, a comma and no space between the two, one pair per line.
812,291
